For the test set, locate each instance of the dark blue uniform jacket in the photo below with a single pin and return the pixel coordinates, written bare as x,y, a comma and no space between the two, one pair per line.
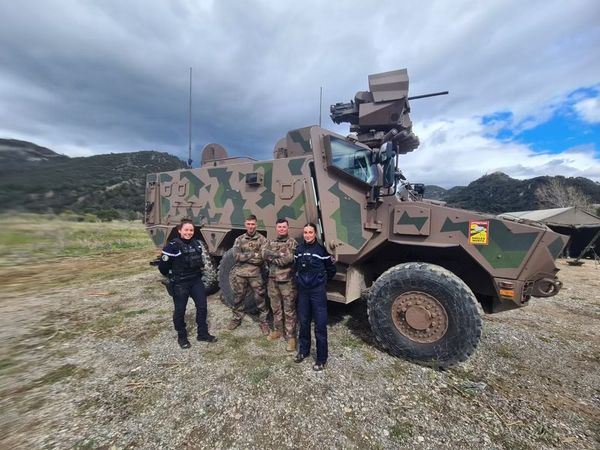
183,259
314,266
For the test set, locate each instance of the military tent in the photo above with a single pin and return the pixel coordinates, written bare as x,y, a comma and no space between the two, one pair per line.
575,222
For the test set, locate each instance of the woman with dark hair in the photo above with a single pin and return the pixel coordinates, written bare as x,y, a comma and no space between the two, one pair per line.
314,267
182,262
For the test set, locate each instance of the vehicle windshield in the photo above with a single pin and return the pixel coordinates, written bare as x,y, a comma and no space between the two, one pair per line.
352,159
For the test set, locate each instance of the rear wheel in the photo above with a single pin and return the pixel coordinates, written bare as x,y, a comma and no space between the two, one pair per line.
224,277
424,313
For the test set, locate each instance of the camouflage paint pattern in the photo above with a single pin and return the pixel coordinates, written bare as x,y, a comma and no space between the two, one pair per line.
342,203
412,220
295,165
219,196
347,229
298,142
295,210
505,255
159,235
303,185
267,197
195,184
506,249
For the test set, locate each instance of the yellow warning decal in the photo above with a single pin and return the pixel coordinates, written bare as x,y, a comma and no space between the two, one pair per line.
479,232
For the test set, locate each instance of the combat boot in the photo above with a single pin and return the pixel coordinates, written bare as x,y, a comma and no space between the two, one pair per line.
183,342
264,328
300,357
291,345
233,324
274,335
206,338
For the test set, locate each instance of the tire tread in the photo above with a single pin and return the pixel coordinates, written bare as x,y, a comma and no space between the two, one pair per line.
388,336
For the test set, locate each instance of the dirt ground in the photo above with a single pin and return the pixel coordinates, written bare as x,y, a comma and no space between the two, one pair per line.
89,360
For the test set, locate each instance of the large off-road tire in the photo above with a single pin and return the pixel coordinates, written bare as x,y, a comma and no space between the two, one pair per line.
424,313
225,274
209,271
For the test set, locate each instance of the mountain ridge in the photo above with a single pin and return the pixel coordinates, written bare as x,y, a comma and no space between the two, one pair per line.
498,193
37,179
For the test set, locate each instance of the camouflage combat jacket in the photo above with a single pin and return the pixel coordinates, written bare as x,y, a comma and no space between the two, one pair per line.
279,256
247,254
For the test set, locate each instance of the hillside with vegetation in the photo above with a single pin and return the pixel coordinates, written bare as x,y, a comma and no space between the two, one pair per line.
36,179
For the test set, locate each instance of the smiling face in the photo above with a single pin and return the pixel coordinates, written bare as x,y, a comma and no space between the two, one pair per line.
186,231
309,234
250,225
282,229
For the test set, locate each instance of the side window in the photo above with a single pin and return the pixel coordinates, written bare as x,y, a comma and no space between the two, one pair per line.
351,159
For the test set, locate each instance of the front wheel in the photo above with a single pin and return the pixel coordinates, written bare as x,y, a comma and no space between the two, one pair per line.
424,313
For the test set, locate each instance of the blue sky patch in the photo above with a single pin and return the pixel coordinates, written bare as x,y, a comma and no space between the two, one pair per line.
563,130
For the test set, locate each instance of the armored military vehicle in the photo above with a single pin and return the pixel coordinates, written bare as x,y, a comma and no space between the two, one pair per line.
423,268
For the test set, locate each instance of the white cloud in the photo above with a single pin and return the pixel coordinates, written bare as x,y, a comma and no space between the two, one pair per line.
456,152
589,109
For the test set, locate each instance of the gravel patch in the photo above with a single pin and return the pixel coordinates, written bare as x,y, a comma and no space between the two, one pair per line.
98,366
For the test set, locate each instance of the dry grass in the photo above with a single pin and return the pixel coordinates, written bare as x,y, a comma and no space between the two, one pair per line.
46,252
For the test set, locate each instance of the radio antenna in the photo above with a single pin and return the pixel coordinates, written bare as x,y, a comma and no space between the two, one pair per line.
190,124
320,104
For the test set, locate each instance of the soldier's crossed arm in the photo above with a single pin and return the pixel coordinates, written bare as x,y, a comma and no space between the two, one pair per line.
255,256
267,252
286,256
238,254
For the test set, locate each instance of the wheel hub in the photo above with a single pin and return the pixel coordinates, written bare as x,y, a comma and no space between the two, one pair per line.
419,316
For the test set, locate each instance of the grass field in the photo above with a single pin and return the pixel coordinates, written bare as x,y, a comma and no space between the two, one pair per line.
46,251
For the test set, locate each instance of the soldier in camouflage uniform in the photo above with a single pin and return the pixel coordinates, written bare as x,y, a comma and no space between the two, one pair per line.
247,273
279,256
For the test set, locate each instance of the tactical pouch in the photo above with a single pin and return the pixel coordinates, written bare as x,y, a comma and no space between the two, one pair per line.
168,283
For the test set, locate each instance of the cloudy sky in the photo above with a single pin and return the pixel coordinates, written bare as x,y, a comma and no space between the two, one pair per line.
89,77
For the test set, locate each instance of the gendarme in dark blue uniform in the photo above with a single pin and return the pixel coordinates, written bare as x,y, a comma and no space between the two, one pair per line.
181,261
314,267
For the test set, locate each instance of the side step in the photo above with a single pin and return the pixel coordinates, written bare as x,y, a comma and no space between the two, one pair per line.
336,297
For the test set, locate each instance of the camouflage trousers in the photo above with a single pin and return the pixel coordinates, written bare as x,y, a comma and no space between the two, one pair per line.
283,303
240,286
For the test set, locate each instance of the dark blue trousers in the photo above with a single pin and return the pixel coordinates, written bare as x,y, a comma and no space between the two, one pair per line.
312,304
181,292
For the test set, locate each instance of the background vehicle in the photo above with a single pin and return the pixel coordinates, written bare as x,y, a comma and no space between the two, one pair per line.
423,267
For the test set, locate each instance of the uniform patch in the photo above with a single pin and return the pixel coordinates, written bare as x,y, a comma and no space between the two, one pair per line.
165,258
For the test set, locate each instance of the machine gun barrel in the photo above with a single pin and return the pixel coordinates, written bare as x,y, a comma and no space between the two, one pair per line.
434,94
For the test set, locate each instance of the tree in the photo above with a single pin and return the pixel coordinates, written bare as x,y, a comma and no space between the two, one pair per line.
555,193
